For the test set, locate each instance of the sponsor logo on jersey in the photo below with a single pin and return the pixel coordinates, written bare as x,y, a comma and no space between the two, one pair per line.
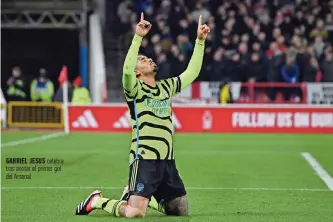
124,121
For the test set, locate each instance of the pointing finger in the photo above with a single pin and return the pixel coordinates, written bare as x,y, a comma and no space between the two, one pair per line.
141,19
200,20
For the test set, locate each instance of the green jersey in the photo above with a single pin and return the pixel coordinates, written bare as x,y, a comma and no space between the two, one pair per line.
150,107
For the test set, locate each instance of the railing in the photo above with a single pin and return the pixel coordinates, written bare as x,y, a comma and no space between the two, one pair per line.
297,92
260,92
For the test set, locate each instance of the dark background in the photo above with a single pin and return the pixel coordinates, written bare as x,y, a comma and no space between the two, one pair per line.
39,48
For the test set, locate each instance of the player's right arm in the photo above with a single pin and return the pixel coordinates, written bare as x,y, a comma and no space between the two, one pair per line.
130,82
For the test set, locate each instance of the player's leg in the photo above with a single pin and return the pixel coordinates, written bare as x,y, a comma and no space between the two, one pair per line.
118,208
143,181
135,207
153,203
177,206
172,192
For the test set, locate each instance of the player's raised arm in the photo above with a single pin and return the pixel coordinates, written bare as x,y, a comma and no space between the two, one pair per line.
129,78
193,69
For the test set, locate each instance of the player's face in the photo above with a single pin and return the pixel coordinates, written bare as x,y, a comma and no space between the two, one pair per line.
146,66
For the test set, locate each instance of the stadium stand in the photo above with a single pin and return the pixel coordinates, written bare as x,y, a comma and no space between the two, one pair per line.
251,41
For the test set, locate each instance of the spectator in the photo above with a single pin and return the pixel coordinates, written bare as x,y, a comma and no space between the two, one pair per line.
281,43
319,30
81,94
319,46
233,68
255,71
218,65
244,59
290,70
200,10
262,40
164,66
329,22
42,88
311,71
16,86
290,74
327,67
185,45
225,95
287,27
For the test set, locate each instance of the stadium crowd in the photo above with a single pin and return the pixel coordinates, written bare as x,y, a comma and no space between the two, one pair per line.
250,40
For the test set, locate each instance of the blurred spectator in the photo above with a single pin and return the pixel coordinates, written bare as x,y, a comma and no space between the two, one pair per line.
290,74
249,40
290,70
311,71
233,68
319,46
225,95
164,66
185,45
319,30
217,72
42,88
200,10
255,71
16,86
328,67
81,94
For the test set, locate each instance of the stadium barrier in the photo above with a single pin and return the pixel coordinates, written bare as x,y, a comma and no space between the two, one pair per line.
256,92
35,115
212,118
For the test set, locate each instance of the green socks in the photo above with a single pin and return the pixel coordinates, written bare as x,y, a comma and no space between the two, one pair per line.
111,206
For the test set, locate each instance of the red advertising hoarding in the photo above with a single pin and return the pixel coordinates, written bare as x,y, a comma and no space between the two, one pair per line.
238,119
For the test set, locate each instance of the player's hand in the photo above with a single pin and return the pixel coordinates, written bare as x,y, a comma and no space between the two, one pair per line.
203,30
143,27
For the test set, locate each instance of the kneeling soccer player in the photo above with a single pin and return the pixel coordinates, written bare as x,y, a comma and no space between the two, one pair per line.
153,171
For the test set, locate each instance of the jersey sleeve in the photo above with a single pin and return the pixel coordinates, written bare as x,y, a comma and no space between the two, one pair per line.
192,71
130,82
173,85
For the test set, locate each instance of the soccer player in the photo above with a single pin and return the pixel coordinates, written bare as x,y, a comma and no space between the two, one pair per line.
153,169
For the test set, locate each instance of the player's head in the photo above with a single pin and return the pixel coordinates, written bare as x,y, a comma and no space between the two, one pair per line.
145,67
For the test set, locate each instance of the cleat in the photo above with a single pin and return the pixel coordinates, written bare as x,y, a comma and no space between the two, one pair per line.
124,195
85,207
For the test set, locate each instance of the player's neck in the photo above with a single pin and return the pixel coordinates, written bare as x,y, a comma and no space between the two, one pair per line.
149,81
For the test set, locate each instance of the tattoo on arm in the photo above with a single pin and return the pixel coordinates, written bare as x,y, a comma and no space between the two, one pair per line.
177,207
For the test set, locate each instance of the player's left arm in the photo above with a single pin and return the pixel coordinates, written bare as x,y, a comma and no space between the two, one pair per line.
193,69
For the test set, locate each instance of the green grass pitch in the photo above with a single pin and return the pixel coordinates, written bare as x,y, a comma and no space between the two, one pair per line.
217,169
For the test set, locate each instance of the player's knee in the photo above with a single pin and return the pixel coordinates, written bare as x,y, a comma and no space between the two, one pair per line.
177,207
178,211
182,212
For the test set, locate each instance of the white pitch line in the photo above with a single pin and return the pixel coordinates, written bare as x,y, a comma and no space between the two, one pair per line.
31,140
188,188
320,171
